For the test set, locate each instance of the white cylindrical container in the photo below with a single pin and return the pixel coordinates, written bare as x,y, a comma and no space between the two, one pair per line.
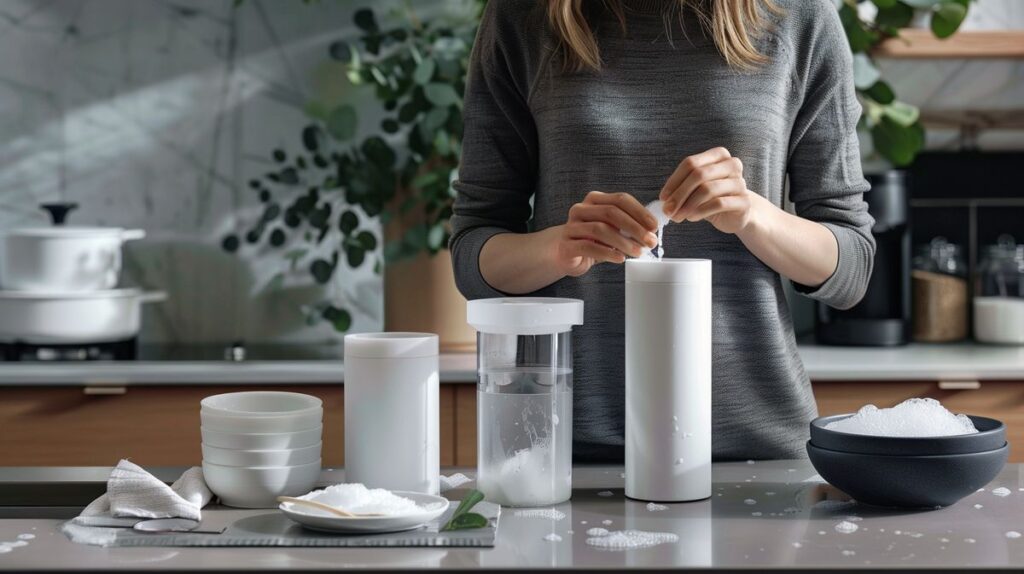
392,428
668,379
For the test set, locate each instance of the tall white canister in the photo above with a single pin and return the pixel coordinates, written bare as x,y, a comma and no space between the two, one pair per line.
668,379
392,428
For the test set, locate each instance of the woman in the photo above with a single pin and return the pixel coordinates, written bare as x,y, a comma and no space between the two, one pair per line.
590,110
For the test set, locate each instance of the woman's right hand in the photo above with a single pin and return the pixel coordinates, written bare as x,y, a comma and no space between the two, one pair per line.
603,227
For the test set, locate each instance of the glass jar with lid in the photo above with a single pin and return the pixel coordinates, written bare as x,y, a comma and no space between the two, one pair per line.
939,281
524,398
999,294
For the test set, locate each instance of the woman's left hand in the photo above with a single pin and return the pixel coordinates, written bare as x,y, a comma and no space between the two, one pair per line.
710,186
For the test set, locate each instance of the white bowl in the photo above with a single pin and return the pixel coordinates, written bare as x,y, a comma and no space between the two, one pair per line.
262,424
261,403
287,457
259,487
261,441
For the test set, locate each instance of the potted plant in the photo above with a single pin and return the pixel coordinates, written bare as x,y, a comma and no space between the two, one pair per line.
319,197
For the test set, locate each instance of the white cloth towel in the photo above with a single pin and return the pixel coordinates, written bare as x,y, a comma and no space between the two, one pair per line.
134,493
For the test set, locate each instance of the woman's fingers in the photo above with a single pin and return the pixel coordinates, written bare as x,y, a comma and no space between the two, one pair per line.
728,168
707,191
718,205
682,171
614,216
591,250
627,203
604,234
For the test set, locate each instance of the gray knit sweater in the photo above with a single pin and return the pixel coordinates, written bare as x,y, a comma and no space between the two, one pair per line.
538,139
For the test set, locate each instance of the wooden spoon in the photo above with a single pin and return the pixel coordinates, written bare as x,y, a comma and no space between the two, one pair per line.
326,507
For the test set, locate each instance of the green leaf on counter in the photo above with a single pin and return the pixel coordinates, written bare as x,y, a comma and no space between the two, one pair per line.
462,518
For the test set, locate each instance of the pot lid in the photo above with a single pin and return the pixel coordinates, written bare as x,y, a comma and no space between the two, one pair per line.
100,294
66,232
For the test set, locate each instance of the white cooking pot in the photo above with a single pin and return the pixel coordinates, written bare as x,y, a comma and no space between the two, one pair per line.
82,317
63,259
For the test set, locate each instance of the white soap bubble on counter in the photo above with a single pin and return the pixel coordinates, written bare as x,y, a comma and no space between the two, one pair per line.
546,513
911,418
631,539
978,506
553,537
1001,491
358,499
849,553
26,536
846,527
1013,534
606,522
597,532
655,507
750,502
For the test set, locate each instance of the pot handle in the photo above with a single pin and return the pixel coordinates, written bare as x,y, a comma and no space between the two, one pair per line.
153,297
130,234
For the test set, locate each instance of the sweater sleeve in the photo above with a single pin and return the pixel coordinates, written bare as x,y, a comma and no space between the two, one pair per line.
497,173
826,184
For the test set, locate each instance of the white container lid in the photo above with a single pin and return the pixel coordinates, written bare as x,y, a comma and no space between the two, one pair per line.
61,232
684,271
391,345
524,315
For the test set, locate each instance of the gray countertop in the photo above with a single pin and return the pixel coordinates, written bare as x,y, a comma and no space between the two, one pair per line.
954,362
788,527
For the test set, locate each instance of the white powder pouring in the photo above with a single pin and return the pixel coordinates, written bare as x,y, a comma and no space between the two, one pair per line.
358,499
911,418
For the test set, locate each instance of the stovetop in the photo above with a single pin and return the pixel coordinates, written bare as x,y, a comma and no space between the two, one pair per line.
132,351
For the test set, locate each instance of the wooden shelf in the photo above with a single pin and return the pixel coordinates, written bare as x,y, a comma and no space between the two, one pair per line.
921,43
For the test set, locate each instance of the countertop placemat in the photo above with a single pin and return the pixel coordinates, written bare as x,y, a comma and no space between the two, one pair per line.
270,527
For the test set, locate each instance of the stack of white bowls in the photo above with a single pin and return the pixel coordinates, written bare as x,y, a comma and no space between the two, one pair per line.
261,445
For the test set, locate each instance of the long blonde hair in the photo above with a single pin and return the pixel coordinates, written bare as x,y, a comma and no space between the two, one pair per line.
734,26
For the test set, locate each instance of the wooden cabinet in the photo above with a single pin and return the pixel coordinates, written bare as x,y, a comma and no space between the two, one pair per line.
159,425
150,425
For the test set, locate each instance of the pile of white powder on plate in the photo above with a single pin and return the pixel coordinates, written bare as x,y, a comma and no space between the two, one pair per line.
358,499
911,418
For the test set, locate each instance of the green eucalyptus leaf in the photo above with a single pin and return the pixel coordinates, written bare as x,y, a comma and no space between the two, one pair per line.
311,135
277,237
347,222
342,122
321,271
340,51
424,71
467,521
884,3
378,151
271,212
921,3
365,20
279,155
896,143
881,92
389,125
355,255
230,243
434,119
946,19
857,34
340,319
367,240
901,113
441,94
896,16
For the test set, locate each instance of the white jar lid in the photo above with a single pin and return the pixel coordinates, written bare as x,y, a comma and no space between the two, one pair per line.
391,345
685,271
524,315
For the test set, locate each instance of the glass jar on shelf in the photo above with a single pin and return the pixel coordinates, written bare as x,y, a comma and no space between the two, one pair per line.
939,281
999,294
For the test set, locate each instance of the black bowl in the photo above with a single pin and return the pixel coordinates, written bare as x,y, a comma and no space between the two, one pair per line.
907,481
990,436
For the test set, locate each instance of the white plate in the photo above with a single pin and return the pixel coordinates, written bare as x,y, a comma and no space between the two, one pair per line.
311,518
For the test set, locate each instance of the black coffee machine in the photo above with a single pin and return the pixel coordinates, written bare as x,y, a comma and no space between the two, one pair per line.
882,318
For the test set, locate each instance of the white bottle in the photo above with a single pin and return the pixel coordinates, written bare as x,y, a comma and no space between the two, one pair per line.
392,411
668,379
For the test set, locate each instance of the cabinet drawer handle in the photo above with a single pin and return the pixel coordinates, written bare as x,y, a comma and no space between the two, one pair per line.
105,390
959,385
